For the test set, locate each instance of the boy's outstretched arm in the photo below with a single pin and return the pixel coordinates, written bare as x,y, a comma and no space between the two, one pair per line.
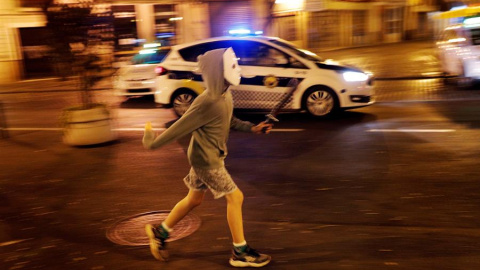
191,120
262,128
247,126
148,136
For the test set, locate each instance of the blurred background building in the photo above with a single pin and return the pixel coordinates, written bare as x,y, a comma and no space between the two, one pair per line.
312,24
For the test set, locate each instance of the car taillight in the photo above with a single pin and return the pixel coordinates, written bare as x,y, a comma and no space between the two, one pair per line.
160,70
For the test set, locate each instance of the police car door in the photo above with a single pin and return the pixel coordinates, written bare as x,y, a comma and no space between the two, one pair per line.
451,51
266,72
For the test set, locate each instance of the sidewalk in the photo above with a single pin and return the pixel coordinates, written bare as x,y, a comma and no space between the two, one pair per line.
50,84
405,60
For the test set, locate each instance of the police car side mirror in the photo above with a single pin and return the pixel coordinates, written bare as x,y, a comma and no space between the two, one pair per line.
196,71
246,75
286,65
281,61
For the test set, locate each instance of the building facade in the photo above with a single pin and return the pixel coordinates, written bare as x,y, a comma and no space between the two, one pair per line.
326,24
16,21
312,24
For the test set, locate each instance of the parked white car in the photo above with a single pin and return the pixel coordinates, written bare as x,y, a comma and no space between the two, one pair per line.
137,77
459,51
267,64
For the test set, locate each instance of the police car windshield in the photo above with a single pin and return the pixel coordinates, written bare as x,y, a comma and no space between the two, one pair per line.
149,58
475,35
303,53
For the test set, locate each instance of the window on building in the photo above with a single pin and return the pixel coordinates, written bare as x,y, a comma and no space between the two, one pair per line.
230,15
287,27
32,3
36,51
359,27
125,26
323,29
164,27
393,20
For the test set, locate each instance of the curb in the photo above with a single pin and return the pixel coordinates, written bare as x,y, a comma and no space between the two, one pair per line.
50,90
23,91
412,78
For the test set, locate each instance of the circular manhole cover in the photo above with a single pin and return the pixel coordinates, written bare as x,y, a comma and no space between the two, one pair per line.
131,231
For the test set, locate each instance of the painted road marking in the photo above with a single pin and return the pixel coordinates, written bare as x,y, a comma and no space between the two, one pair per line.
412,130
32,129
406,130
136,129
14,242
287,130
60,129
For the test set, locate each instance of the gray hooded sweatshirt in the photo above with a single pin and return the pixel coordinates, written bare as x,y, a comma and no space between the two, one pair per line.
209,118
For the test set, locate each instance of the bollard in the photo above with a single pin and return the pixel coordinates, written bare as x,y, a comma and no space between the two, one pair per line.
3,122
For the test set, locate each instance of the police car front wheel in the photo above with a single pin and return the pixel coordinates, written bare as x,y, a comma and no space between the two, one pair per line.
182,100
320,102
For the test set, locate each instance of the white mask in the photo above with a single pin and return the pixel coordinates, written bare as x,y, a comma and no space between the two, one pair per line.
231,69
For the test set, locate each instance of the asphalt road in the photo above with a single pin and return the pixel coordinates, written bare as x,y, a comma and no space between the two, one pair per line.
391,186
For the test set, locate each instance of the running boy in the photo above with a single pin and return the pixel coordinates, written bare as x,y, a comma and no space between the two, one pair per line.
209,119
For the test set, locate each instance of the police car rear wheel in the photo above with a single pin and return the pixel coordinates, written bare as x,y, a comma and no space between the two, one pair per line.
320,102
464,81
182,100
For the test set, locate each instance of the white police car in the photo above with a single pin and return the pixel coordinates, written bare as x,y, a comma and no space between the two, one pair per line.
267,65
137,77
459,52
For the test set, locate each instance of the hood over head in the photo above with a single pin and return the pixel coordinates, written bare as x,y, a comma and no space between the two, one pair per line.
211,66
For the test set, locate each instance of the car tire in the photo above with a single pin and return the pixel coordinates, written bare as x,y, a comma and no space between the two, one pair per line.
320,102
181,101
448,79
464,82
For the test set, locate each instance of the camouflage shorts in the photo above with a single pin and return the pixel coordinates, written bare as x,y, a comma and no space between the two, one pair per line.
218,181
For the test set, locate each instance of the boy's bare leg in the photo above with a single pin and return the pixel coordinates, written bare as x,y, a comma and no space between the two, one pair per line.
158,235
242,254
193,199
234,215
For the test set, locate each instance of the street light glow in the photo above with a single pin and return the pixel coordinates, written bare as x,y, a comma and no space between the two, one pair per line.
289,5
176,19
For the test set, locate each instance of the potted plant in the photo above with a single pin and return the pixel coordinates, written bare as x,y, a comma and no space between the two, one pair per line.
82,46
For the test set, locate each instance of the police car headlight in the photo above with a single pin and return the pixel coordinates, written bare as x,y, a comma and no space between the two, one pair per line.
352,76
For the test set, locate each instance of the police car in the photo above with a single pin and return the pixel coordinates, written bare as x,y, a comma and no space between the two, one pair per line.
267,65
137,77
459,52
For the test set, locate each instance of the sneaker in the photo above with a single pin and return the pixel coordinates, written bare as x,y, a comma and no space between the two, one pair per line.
249,258
157,242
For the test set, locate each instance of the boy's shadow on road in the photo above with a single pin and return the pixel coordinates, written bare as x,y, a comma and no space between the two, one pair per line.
139,102
303,119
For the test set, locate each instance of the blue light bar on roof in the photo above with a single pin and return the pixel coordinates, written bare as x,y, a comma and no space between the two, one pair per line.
245,32
149,51
239,32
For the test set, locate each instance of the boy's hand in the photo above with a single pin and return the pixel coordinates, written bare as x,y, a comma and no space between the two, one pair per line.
148,136
262,127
